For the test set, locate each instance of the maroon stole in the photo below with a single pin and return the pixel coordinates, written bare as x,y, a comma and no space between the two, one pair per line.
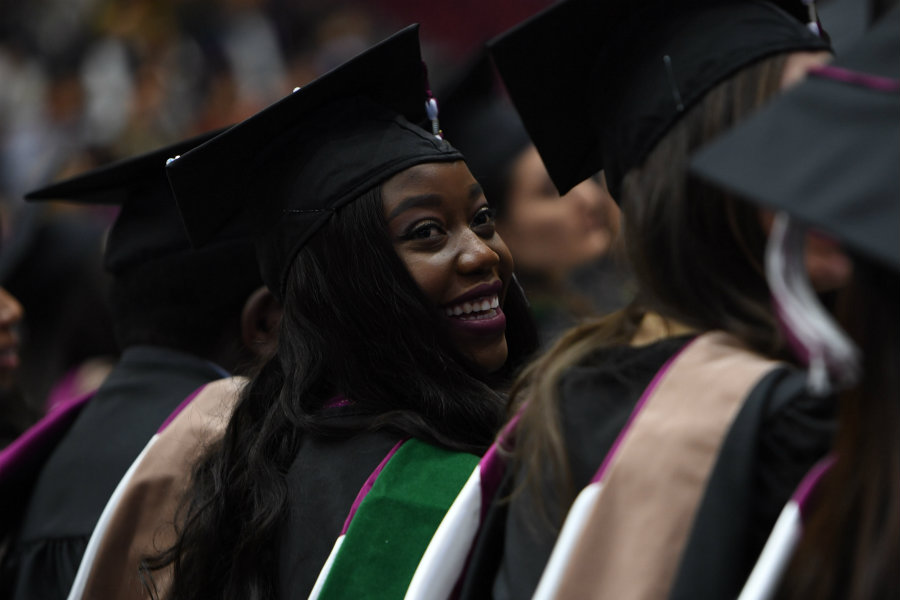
21,462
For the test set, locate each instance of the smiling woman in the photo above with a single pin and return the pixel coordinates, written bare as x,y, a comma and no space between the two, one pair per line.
401,324
449,244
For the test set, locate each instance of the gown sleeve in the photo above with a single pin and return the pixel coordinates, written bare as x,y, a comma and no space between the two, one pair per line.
43,568
778,435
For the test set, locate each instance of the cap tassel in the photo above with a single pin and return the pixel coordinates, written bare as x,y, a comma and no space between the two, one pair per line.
676,94
814,24
431,109
431,106
832,358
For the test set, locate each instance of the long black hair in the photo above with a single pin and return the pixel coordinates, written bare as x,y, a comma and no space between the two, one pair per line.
356,324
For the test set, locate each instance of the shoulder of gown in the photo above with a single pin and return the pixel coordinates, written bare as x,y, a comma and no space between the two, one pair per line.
780,432
595,402
82,472
323,483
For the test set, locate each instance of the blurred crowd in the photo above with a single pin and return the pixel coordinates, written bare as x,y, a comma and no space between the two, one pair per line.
88,82
351,292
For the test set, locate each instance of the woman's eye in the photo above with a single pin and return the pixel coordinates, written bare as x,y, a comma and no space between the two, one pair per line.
425,231
484,218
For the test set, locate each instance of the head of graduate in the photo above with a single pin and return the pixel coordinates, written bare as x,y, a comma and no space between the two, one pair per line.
163,293
370,228
632,89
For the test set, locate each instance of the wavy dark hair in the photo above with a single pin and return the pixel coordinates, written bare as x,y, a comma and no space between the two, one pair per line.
353,320
696,254
851,543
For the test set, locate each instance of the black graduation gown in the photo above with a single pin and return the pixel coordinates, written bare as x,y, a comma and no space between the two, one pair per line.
777,436
323,482
82,472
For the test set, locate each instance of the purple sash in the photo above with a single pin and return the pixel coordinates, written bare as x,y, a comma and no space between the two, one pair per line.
21,461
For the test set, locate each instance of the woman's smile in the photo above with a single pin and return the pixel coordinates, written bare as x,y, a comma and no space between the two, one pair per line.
478,310
443,230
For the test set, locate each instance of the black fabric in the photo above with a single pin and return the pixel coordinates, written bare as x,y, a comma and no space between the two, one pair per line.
597,84
286,169
826,151
82,473
779,434
323,482
597,400
15,416
482,124
487,551
148,225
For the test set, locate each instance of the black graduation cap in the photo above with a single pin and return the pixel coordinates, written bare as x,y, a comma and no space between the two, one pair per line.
480,121
287,169
828,150
148,225
598,83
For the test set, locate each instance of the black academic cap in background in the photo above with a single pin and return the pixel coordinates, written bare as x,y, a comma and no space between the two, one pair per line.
287,169
599,82
148,225
479,120
828,150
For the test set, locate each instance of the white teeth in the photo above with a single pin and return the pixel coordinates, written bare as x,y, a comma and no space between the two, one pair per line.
478,307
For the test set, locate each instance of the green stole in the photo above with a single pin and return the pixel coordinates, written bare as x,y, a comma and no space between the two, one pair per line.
395,521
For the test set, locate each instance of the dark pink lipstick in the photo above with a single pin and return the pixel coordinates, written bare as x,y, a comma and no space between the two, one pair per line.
478,311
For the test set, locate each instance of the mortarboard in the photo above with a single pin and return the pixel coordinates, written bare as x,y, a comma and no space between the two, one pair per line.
148,226
598,83
827,150
287,169
478,120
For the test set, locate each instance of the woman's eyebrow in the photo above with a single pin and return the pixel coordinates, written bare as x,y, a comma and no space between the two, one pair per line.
429,200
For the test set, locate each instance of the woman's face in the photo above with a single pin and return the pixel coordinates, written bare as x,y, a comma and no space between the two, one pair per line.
443,230
10,316
552,234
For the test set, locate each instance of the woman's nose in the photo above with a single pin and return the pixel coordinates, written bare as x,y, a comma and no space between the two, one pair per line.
476,254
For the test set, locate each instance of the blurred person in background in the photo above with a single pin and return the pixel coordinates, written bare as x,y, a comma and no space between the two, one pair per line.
178,316
839,537
561,244
68,344
14,415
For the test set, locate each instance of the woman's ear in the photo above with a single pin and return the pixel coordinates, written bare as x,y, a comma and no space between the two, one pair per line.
259,322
